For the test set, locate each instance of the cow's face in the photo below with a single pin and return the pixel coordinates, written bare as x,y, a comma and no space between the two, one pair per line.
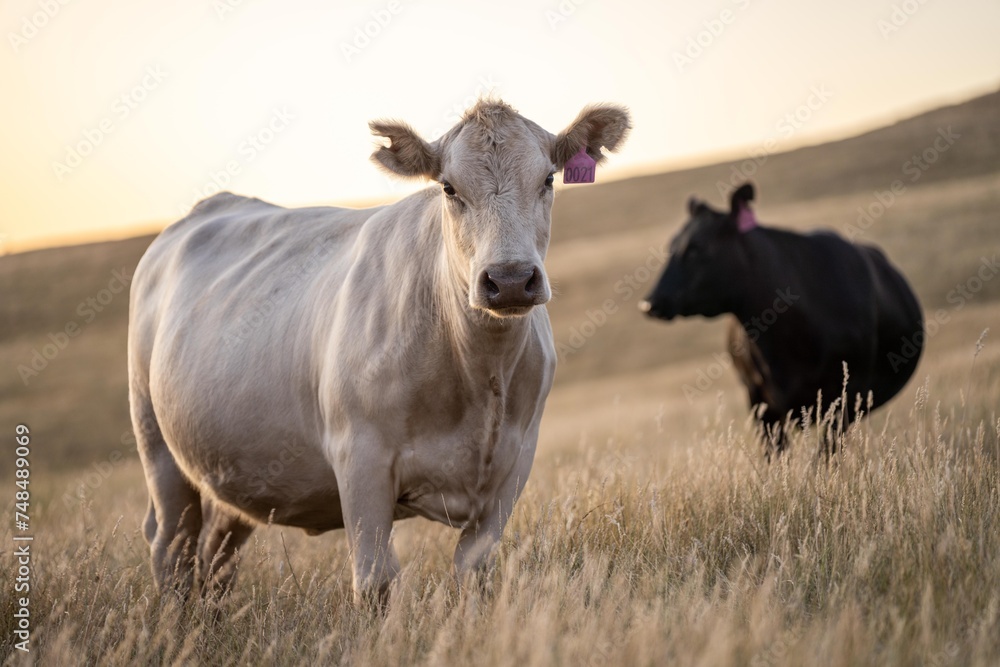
708,262
496,171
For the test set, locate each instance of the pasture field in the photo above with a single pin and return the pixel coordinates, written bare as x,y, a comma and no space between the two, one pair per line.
645,547
651,530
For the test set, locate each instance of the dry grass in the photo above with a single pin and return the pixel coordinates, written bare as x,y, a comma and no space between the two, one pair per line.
660,551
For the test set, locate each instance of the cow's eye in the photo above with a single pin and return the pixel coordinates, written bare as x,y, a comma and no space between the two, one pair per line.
448,189
550,179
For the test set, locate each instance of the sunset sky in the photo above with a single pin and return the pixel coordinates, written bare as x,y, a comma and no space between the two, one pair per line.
120,114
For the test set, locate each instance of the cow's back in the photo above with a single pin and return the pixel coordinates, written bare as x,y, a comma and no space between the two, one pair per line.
831,317
831,314
850,306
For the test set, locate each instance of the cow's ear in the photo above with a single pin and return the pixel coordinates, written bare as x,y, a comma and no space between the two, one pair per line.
742,196
598,126
693,205
740,214
407,154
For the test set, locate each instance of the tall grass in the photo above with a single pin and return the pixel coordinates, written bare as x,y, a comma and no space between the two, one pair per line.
670,551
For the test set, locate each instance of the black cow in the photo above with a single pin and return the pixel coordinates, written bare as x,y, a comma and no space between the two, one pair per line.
805,304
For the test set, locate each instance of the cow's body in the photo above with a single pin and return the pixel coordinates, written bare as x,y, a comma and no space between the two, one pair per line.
323,368
867,312
353,350
804,305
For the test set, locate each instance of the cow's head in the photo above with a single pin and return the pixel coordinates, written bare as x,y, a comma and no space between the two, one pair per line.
708,261
496,170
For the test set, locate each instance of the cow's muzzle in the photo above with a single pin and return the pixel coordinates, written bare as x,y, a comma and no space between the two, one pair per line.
511,289
661,310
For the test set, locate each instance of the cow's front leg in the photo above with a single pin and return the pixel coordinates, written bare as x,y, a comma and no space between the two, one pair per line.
367,495
476,549
478,543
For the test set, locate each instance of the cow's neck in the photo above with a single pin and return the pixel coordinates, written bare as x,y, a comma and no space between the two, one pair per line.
485,348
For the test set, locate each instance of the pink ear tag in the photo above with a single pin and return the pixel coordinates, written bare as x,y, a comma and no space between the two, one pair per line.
581,168
746,220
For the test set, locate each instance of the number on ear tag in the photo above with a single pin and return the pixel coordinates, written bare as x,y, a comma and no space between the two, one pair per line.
581,168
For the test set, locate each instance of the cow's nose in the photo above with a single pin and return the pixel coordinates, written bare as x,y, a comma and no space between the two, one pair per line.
658,308
512,286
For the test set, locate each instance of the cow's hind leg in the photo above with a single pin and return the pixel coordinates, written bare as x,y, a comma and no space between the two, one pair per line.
222,534
173,520
177,507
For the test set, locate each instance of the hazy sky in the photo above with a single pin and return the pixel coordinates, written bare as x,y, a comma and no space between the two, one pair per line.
119,113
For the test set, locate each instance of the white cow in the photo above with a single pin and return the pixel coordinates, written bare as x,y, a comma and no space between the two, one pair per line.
331,368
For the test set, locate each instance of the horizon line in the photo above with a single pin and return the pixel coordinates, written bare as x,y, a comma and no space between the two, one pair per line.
623,173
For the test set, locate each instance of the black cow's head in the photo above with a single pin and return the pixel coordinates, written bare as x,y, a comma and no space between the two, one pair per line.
708,261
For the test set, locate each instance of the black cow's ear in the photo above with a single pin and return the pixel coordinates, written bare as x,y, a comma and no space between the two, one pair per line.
743,195
693,205
741,216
